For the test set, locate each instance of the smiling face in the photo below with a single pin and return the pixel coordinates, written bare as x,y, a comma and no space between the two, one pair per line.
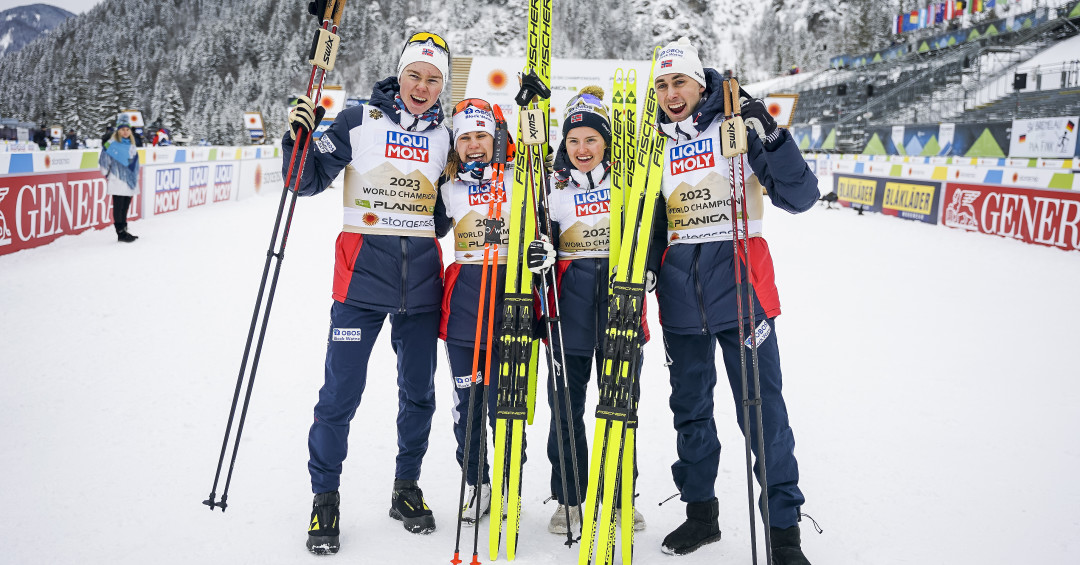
586,147
420,84
678,95
124,131
475,146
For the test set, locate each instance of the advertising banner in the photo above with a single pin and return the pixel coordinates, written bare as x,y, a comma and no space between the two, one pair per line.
36,209
911,200
1044,137
858,192
1044,217
181,186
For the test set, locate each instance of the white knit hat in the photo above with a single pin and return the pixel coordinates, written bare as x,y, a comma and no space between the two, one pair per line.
473,119
431,49
680,57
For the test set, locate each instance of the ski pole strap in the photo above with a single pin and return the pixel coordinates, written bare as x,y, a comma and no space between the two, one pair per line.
531,86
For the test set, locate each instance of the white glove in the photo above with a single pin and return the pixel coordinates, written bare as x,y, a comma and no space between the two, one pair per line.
650,281
540,255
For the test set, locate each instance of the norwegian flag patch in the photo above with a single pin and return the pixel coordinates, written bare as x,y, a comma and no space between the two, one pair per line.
427,52
480,123
575,118
665,64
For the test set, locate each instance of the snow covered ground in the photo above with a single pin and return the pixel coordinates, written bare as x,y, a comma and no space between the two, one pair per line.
931,380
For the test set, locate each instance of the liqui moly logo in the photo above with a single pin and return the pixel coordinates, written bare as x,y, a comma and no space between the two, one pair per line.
400,145
592,202
222,182
167,191
484,195
198,185
692,156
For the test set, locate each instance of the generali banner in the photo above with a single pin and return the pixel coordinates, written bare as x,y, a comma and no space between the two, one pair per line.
36,209
1045,217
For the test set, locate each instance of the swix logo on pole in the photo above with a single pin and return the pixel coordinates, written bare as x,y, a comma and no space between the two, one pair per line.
692,156
222,182
167,191
198,185
484,195
400,145
592,202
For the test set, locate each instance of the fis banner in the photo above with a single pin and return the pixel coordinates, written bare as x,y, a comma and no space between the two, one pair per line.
36,209
1044,137
1043,217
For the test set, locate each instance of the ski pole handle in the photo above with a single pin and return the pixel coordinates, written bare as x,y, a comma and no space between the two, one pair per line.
733,136
733,86
339,8
727,98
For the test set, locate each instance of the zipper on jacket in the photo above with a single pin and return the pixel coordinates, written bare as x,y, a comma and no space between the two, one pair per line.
700,297
404,273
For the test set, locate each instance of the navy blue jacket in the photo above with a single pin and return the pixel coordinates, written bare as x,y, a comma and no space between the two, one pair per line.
696,282
386,273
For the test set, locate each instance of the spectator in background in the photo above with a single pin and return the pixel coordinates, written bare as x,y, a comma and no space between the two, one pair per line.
41,138
119,162
108,134
71,141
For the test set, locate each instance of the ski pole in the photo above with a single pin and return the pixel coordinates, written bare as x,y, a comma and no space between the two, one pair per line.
756,400
322,57
733,147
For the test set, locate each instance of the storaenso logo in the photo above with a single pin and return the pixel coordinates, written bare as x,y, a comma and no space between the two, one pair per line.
198,182
400,145
222,182
167,191
692,156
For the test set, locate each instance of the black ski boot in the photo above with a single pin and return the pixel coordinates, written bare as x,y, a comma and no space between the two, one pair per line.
407,505
787,546
702,526
126,237
323,532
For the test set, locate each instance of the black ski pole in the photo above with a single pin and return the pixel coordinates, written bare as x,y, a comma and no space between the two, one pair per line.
322,56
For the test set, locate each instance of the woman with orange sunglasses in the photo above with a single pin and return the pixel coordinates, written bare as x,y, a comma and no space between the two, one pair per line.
473,189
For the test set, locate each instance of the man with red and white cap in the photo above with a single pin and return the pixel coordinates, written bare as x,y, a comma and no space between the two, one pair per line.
392,151
696,291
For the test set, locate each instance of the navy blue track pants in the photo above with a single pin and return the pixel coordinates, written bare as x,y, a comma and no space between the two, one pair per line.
414,338
461,359
693,377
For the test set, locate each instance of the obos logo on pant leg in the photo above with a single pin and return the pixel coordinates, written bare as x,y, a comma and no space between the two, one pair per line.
346,334
400,145
692,156
167,191
592,202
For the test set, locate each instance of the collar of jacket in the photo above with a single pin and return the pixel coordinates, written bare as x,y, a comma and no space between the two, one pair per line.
708,109
382,97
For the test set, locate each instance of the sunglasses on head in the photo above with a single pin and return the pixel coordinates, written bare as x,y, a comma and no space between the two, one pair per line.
474,102
424,37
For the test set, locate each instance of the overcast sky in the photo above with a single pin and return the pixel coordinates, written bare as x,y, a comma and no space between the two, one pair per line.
73,6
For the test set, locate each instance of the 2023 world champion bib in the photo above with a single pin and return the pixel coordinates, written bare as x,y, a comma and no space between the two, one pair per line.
698,193
396,195
468,205
584,220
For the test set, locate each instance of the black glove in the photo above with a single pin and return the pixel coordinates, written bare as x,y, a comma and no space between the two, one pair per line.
757,116
305,116
540,255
